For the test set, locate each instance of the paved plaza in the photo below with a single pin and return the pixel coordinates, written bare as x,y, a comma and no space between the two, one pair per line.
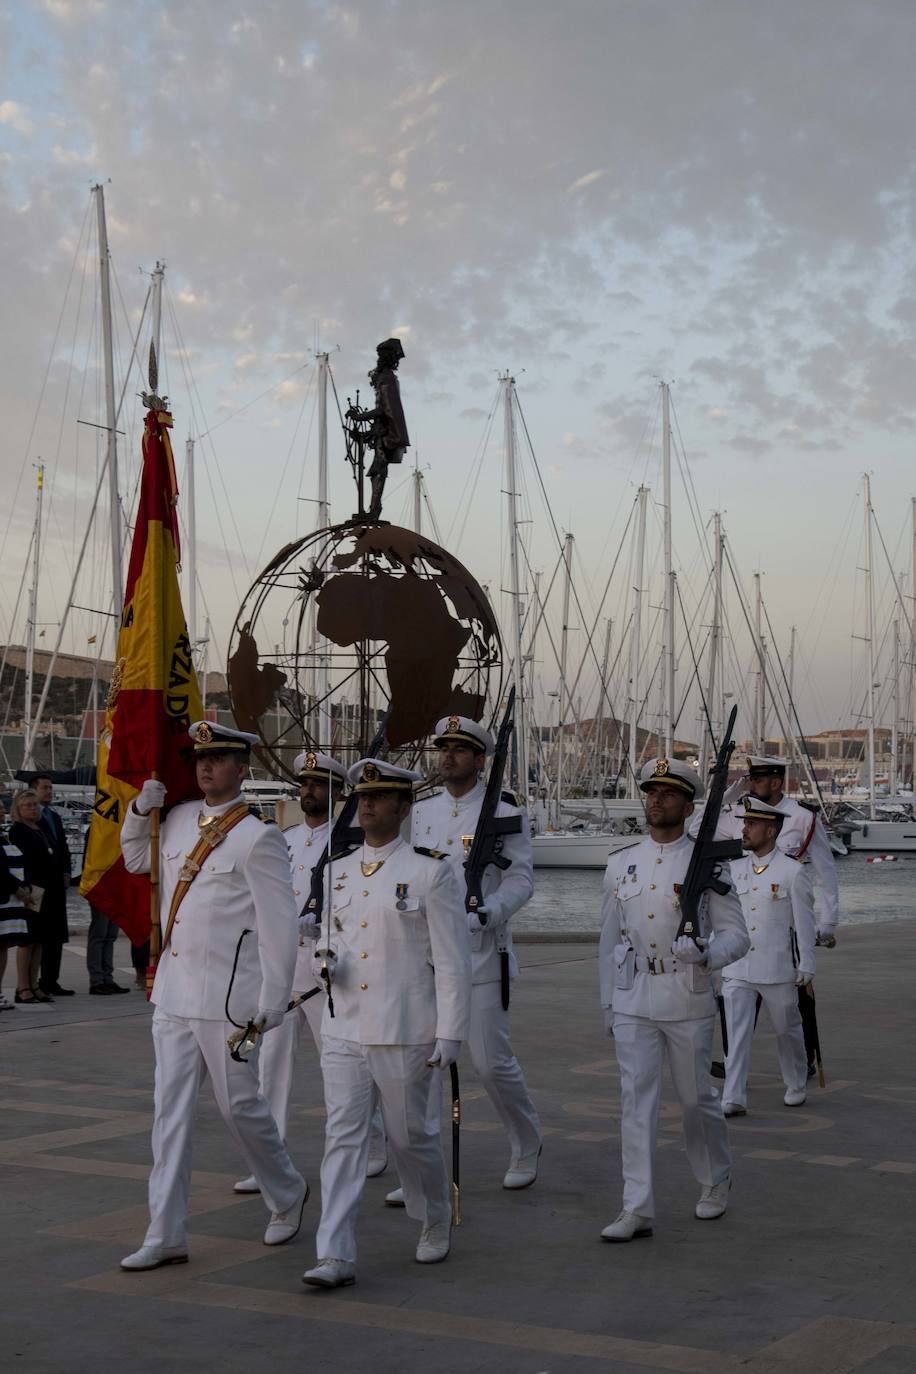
810,1271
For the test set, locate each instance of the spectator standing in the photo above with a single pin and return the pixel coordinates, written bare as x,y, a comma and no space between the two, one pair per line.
100,944
14,929
42,870
57,934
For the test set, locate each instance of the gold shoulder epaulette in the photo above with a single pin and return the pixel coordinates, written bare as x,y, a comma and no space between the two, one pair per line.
430,853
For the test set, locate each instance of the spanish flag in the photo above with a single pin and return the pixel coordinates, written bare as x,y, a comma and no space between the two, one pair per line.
154,695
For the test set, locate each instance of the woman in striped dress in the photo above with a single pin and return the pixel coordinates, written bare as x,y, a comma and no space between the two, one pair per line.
14,929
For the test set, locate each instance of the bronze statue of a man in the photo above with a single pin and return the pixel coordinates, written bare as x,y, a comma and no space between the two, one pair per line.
389,428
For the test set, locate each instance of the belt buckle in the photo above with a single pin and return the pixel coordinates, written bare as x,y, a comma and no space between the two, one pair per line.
651,961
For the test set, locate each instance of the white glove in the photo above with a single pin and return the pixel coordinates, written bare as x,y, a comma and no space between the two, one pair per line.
151,795
735,791
268,1020
802,979
445,1053
308,927
687,952
474,922
325,960
608,1014
825,940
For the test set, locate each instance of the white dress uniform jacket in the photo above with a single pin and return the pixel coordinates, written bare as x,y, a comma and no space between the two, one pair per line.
778,910
640,916
244,884
791,840
403,967
439,823
305,846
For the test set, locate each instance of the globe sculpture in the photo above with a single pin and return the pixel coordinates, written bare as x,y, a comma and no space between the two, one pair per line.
352,622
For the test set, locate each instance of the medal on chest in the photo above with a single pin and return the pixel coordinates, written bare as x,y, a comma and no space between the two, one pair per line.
400,893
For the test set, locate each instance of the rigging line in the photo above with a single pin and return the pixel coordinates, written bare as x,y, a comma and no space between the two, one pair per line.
286,463
680,450
464,504
194,391
607,585
44,383
8,645
254,400
893,576
696,670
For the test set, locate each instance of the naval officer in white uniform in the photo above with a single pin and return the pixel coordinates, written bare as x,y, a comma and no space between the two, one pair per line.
775,896
395,924
240,884
802,837
658,1000
448,822
321,780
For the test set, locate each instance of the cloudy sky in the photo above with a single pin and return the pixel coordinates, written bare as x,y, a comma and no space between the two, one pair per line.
592,195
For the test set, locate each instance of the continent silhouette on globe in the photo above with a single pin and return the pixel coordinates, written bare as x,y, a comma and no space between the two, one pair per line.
350,621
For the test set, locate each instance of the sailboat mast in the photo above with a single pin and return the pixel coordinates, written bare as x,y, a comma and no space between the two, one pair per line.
561,696
32,623
635,638
599,768
913,648
417,500
870,635
114,500
668,660
707,741
760,696
518,665
895,698
323,683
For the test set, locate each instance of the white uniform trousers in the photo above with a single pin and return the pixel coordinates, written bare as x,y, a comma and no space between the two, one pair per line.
187,1049
277,1061
353,1073
277,1057
781,1002
498,1070
641,1046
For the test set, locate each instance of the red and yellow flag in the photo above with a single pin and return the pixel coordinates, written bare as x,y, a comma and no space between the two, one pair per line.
154,694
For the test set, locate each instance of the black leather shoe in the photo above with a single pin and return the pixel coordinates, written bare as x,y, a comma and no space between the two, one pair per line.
100,990
57,991
116,987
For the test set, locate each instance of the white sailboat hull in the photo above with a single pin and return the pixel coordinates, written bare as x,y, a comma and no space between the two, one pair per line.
559,850
881,837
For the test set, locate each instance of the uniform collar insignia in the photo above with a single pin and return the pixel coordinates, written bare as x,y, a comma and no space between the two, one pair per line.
369,869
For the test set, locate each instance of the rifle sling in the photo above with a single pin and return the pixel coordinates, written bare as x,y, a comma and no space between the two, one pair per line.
194,861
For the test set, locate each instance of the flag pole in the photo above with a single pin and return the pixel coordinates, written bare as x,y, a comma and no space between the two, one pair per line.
155,925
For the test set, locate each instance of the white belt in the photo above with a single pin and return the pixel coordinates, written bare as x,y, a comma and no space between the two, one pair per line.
655,965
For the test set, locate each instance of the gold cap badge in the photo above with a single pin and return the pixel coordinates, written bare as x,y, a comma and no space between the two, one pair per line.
661,767
453,725
204,734
311,759
370,773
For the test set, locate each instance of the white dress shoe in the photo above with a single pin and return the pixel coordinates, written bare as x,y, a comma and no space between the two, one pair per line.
155,1256
330,1273
795,1097
376,1164
628,1226
713,1200
247,1185
523,1171
284,1225
395,1198
434,1243
733,1109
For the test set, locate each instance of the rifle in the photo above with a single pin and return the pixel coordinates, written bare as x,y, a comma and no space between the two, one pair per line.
709,853
486,846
